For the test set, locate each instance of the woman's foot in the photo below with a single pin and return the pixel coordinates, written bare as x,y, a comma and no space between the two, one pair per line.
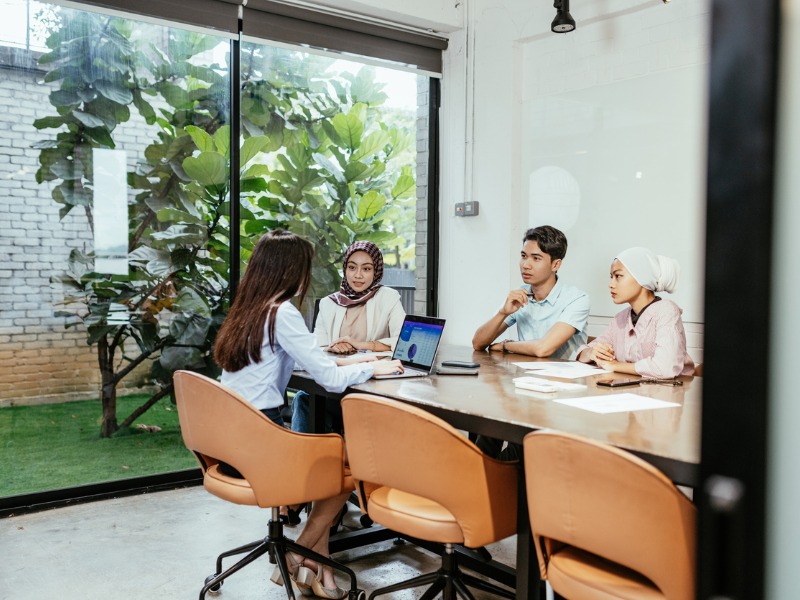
324,584
302,576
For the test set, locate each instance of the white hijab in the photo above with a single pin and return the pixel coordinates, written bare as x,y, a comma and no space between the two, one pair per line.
653,272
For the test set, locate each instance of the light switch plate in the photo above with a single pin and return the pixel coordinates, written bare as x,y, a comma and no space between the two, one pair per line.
467,209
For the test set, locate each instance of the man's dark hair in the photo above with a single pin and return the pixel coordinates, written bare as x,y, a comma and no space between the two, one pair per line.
550,240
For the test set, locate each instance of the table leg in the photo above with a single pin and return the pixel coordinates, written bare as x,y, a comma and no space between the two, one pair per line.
528,581
316,413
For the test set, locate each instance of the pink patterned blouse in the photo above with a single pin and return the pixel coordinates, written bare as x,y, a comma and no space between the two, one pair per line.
656,345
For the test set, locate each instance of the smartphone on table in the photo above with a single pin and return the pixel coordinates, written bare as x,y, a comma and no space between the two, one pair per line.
460,364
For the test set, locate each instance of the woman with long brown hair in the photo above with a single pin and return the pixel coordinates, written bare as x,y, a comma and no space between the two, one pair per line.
261,340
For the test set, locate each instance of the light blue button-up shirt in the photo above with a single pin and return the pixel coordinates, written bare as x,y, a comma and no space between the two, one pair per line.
564,304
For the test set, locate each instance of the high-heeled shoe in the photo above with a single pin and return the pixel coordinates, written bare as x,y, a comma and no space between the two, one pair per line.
302,576
292,516
321,591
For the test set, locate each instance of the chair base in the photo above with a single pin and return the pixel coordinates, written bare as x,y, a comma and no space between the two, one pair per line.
276,544
449,580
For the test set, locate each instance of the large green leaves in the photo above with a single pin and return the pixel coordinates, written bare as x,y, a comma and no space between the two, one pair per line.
209,169
338,176
350,126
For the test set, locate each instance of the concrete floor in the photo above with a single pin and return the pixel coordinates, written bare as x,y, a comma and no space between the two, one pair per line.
163,545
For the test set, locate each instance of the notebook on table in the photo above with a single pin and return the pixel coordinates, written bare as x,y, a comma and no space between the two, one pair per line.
417,346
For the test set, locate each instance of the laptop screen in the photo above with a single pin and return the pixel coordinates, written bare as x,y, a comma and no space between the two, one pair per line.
419,339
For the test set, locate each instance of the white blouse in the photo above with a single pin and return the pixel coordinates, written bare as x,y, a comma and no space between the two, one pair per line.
263,383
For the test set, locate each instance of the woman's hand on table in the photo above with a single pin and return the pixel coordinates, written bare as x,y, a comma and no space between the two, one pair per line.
388,367
343,346
602,353
608,365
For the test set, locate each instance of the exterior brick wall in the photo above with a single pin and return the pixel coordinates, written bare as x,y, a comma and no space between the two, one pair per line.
40,360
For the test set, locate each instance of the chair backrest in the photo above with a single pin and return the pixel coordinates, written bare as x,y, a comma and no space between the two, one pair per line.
281,467
608,502
400,446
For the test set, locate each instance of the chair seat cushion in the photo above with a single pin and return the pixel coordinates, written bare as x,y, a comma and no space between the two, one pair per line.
414,515
574,573
232,489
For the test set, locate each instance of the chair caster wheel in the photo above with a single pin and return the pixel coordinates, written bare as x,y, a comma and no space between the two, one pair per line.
214,589
365,521
357,595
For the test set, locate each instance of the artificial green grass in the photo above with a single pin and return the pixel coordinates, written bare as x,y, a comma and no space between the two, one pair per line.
55,446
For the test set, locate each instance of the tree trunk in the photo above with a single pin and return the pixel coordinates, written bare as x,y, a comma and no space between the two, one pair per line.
108,388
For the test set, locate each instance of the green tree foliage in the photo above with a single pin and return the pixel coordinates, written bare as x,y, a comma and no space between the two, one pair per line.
333,170
316,157
173,300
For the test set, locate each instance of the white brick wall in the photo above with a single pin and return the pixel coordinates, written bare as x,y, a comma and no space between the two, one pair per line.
40,360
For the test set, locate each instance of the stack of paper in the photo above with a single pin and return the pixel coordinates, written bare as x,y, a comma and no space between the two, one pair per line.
562,369
537,384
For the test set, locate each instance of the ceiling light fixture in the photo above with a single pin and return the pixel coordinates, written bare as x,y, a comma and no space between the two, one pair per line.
563,23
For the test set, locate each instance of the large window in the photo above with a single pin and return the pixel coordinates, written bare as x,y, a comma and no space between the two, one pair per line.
120,239
330,153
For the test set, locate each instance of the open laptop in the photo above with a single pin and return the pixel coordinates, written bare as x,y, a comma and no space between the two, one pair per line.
417,346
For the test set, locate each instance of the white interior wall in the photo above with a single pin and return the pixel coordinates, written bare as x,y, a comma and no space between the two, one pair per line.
600,132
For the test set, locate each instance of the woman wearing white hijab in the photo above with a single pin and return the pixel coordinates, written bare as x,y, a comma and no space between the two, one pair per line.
647,338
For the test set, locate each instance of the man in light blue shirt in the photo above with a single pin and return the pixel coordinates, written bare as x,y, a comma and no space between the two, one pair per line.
550,315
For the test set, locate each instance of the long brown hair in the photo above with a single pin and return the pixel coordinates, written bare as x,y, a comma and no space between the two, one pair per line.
279,269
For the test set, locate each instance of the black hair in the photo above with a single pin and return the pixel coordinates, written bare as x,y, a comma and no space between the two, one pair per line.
551,240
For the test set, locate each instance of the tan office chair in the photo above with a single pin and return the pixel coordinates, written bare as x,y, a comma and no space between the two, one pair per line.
420,477
248,459
605,523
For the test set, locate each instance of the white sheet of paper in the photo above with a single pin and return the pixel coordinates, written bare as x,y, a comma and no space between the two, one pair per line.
612,403
565,370
539,384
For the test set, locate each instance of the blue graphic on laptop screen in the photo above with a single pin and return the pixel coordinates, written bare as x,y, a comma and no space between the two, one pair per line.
417,343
